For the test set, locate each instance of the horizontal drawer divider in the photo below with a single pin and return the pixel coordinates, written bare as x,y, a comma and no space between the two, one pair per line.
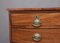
32,27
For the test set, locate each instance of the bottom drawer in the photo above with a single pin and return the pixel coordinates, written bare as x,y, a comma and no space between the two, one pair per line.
25,35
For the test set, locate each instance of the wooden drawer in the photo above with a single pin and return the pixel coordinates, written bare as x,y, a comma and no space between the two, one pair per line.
22,29
25,35
25,19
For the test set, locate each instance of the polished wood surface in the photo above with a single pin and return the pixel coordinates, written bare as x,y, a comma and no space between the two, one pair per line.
25,20
25,35
21,29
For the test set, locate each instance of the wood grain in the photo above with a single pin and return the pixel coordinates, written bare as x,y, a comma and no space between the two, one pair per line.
25,35
25,20
21,29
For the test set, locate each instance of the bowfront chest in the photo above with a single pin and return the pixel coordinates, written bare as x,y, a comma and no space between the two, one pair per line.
34,25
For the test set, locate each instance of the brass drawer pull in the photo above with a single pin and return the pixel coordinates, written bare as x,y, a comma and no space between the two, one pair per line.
36,22
36,37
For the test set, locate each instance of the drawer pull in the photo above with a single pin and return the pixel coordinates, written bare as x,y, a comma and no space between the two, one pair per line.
36,22
36,37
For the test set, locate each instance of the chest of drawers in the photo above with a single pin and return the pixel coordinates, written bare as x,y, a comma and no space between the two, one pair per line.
34,25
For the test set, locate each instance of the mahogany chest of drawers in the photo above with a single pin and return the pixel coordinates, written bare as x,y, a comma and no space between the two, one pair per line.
34,25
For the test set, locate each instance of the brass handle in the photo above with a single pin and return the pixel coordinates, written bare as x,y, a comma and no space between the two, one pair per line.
36,22
36,37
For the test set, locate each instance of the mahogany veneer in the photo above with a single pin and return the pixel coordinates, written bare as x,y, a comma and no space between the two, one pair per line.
21,29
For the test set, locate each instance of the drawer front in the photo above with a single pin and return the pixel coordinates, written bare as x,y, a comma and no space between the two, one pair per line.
25,35
25,20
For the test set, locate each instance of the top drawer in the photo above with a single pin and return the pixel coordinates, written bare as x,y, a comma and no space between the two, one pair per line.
24,19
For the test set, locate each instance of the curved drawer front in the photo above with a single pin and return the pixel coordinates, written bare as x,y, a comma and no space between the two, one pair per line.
25,35
31,25
48,20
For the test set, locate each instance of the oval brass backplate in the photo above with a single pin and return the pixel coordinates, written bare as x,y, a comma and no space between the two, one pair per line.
36,22
36,37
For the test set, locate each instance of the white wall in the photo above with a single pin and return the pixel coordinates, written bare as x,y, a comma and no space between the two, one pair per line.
4,4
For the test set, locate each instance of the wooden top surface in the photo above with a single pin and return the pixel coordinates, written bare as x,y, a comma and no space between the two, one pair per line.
41,9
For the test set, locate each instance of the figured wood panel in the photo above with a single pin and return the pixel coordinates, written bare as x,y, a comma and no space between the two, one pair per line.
25,20
21,25
25,35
